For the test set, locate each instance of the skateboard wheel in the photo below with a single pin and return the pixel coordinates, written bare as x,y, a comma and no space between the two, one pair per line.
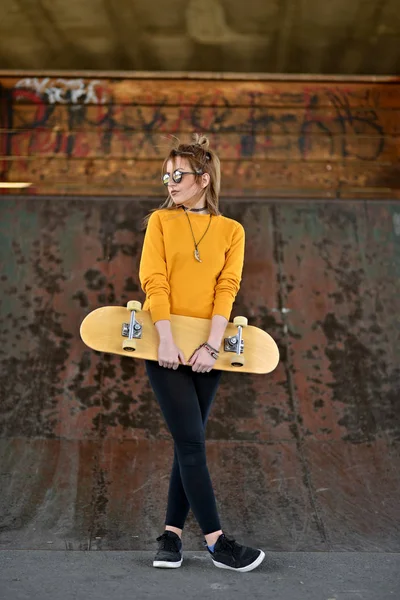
237,361
134,305
240,321
129,345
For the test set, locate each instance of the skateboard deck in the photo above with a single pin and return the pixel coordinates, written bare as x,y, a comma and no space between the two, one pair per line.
129,331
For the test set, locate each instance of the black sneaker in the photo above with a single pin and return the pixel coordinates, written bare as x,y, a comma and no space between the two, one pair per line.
169,554
228,554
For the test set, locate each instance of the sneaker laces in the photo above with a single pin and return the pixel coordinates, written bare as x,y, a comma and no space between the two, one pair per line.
231,545
168,543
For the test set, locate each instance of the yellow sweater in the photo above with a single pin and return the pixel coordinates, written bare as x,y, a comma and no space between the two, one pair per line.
174,281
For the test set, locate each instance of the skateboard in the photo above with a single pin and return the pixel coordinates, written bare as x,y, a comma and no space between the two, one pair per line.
129,331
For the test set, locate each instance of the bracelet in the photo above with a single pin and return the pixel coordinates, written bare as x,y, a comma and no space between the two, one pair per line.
212,351
207,345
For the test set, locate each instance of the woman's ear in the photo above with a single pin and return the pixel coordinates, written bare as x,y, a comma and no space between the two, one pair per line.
205,180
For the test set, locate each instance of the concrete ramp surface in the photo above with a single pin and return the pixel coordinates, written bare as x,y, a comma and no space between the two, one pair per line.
304,459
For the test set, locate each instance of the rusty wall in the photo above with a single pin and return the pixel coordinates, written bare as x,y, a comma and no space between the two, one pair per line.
284,136
306,458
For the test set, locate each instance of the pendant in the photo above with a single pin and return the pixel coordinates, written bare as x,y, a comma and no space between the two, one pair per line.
197,255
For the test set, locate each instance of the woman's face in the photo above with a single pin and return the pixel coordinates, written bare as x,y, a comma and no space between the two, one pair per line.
188,189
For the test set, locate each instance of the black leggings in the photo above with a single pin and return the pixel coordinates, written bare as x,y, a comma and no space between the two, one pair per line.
185,398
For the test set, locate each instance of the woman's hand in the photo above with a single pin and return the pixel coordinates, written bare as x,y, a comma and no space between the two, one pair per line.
201,361
169,355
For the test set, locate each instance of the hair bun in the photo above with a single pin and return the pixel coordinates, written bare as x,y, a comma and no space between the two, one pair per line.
201,140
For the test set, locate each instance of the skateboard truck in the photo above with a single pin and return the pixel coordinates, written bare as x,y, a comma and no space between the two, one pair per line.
235,343
133,329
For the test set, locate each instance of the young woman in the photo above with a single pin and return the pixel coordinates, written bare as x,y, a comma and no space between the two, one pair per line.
191,265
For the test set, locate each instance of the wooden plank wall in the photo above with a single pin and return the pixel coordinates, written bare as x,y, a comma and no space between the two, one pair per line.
81,134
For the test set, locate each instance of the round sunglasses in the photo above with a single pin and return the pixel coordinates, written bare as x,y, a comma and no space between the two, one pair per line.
177,176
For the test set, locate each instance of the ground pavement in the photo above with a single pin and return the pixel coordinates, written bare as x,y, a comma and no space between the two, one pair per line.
114,575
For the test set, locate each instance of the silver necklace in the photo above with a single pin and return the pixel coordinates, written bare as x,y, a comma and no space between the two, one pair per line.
196,244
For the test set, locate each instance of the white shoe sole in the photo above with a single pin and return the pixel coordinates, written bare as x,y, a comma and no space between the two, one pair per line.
164,564
250,567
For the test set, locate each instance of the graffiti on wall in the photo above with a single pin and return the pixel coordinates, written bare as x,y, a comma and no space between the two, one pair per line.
63,91
260,129
310,125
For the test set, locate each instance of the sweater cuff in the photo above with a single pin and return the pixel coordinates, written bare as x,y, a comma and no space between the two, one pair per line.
222,307
160,313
